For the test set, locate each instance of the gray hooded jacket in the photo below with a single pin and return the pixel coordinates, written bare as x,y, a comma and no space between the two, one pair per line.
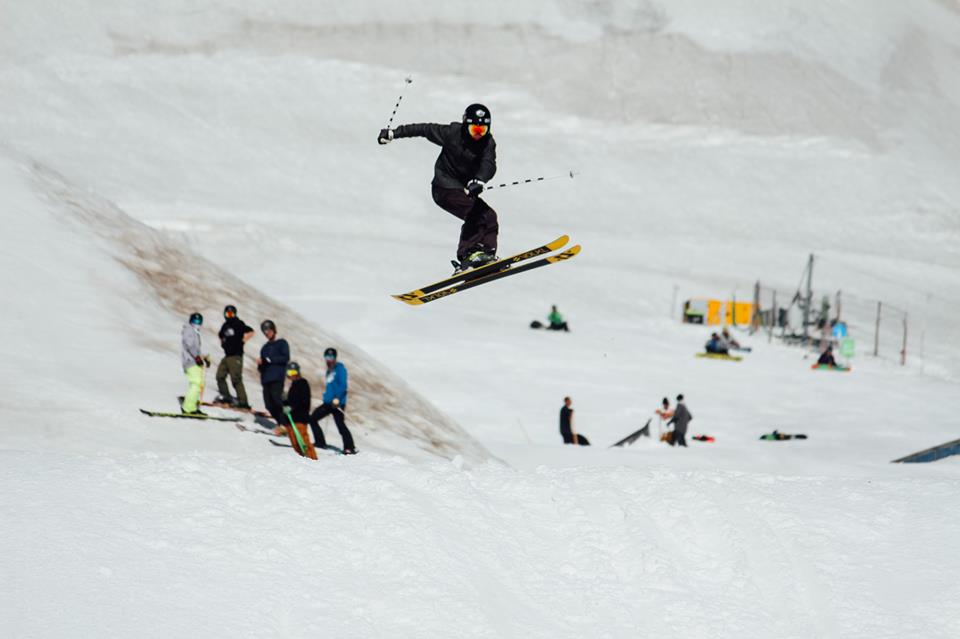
189,345
681,417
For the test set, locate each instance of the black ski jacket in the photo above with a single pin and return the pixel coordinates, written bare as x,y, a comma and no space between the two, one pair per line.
231,336
681,418
462,158
298,399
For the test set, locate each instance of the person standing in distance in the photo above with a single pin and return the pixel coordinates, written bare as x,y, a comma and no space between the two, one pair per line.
272,364
467,161
567,430
334,402
193,361
233,335
297,408
680,420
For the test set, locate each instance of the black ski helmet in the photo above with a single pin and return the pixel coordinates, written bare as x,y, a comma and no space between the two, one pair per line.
330,353
230,308
196,318
268,325
294,368
476,114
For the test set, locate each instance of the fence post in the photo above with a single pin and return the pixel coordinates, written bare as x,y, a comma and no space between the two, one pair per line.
903,351
774,315
876,331
755,318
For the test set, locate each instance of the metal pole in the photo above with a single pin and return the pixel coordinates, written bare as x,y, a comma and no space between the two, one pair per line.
774,317
876,331
839,306
903,351
809,304
755,318
492,187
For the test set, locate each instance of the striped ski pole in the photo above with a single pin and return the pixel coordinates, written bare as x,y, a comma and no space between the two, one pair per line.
397,105
568,174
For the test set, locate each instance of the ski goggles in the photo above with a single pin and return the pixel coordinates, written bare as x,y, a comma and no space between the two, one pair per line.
293,373
477,130
330,358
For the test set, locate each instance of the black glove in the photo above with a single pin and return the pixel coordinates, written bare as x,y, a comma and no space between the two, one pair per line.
385,137
474,188
198,360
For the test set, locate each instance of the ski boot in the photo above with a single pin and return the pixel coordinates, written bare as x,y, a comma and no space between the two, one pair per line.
474,259
226,400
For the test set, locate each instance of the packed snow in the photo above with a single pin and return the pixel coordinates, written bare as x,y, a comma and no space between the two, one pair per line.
160,159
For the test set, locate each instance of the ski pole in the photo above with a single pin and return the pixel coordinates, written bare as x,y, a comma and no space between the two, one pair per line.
396,106
568,174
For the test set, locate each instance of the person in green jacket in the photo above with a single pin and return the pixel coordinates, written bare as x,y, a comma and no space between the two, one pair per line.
557,323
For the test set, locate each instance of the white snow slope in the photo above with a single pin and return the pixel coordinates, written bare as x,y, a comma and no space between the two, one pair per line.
716,145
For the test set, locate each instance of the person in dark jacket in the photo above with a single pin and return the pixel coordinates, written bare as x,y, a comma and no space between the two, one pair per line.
467,161
297,408
680,420
233,335
272,364
567,430
334,403
826,358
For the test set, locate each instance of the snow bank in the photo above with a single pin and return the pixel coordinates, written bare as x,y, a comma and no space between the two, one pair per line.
99,297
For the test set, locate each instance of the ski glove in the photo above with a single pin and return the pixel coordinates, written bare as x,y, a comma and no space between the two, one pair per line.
198,360
474,188
385,137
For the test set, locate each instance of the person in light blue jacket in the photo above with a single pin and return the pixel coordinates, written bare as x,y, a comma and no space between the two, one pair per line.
334,403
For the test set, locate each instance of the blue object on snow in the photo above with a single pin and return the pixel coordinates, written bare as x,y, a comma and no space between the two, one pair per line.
932,454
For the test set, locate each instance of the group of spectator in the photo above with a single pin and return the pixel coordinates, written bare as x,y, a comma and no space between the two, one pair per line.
678,417
289,410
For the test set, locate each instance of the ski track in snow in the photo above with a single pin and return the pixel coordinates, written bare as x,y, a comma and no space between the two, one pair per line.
270,547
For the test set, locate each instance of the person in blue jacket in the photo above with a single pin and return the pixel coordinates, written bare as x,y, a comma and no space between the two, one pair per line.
272,364
334,402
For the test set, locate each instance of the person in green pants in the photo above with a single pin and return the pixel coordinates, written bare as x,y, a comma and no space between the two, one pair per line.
233,335
193,361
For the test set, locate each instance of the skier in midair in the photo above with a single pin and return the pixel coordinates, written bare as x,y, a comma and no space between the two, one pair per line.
467,161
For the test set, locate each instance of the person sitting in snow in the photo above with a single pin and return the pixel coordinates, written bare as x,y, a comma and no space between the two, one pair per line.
716,346
728,339
557,323
827,358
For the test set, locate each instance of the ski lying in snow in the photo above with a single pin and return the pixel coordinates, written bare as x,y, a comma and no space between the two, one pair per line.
259,431
153,413
629,439
332,449
486,269
249,411
477,281
728,358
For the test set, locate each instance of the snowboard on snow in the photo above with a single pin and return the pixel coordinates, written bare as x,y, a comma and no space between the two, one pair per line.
212,418
721,356
825,367
333,449
513,265
629,439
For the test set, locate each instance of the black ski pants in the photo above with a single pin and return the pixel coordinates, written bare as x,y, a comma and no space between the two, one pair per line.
322,411
679,439
273,401
480,226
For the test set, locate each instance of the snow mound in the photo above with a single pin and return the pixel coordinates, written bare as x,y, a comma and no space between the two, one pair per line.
163,282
